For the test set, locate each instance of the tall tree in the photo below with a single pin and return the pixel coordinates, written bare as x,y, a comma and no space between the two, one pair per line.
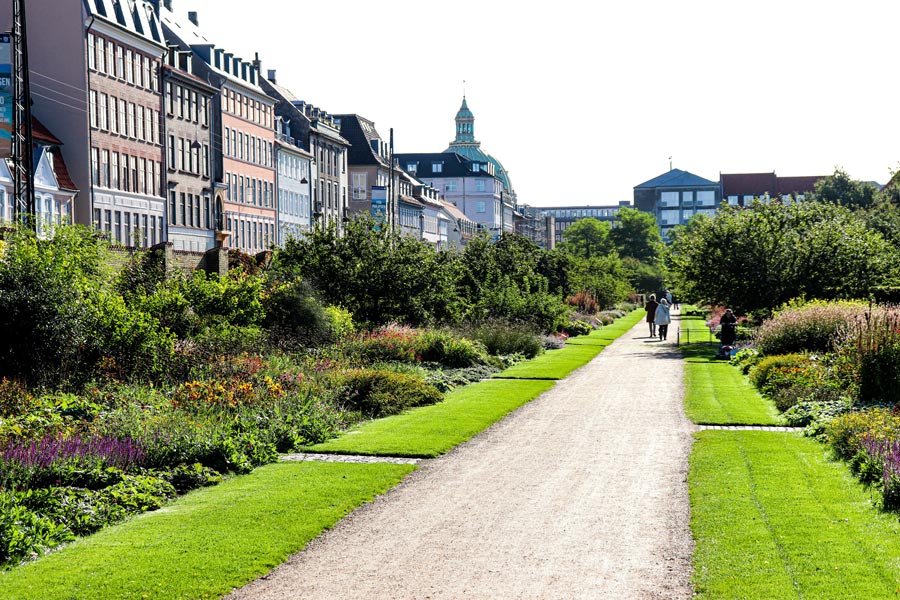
759,258
841,189
587,238
636,234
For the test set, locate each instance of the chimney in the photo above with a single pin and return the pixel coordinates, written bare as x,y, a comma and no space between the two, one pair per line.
272,76
192,17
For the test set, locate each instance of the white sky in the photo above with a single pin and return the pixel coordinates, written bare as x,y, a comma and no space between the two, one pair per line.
581,101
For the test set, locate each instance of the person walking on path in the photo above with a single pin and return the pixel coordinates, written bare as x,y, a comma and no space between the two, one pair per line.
650,307
663,318
581,493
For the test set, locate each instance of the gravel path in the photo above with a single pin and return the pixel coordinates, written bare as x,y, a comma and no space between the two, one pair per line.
580,494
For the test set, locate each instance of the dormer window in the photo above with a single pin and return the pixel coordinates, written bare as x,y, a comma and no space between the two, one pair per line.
412,167
476,167
437,167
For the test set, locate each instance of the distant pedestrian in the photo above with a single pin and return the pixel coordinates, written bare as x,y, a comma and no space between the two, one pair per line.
663,317
728,323
650,307
668,296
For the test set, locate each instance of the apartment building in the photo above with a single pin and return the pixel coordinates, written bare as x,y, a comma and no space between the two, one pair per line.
243,137
104,104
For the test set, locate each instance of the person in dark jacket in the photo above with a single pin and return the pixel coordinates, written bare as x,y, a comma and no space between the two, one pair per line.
728,323
650,307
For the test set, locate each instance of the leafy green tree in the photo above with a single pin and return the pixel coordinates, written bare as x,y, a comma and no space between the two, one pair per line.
636,234
759,258
840,189
379,275
587,238
644,277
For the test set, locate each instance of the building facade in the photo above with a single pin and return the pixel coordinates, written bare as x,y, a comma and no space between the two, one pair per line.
54,190
315,131
564,216
467,146
469,185
674,197
191,214
740,189
369,169
536,225
293,185
243,137
104,103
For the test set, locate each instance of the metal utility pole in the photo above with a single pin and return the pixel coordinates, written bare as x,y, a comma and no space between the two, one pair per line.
22,137
395,205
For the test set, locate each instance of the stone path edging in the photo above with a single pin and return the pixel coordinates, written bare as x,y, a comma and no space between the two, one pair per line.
351,458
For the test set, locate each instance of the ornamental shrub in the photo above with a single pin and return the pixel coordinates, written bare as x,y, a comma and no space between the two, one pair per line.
807,327
24,533
449,350
293,312
845,432
871,346
501,338
774,366
377,393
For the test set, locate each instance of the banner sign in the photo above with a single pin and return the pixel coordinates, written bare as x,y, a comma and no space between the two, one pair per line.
6,95
379,203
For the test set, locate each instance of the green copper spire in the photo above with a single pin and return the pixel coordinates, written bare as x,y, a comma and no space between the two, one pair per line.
465,124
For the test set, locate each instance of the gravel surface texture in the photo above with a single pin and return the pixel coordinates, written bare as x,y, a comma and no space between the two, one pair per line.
580,494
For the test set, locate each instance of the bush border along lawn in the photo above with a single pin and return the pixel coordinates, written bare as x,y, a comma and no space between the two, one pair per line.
717,393
772,518
209,541
559,364
430,431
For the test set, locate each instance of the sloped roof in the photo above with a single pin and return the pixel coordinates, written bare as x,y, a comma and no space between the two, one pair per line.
137,16
676,178
40,132
749,184
360,132
452,165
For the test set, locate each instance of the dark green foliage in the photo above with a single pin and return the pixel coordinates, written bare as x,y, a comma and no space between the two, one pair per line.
840,189
879,375
636,235
378,275
382,393
758,259
587,238
293,312
46,290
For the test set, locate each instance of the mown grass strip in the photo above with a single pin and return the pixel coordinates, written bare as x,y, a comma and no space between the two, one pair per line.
559,364
772,518
719,394
210,541
433,430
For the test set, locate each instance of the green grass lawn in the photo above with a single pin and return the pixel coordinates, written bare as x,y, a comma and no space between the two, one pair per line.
433,430
559,364
693,330
207,542
772,518
717,393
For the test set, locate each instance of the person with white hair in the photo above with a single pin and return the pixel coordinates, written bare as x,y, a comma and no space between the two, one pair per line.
663,317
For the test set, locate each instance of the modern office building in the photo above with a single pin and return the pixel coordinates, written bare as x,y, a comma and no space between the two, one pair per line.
674,197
